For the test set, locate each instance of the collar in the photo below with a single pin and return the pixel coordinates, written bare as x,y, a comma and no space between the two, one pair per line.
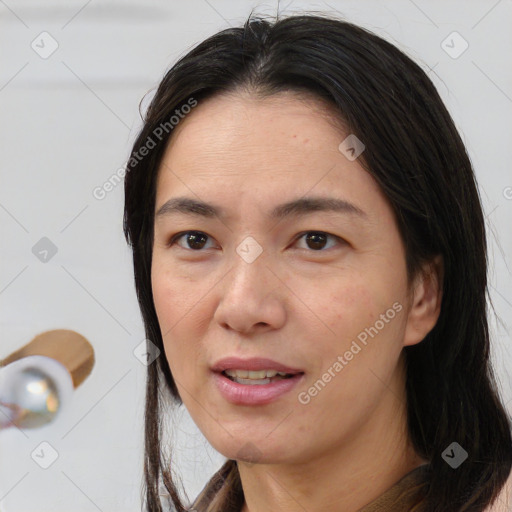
404,496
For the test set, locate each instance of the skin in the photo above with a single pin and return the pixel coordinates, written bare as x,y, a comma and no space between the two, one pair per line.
295,303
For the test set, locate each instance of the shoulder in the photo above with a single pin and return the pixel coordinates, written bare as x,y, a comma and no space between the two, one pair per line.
504,501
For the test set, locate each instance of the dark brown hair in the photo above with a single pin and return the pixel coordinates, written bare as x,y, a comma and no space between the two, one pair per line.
416,155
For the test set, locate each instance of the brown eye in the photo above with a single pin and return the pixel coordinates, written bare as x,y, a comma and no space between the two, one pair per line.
195,240
317,240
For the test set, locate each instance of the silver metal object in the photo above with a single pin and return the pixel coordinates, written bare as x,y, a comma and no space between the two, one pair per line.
32,391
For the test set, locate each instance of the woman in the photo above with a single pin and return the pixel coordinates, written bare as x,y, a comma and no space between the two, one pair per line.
310,257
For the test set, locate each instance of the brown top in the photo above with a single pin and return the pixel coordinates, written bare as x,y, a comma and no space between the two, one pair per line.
404,496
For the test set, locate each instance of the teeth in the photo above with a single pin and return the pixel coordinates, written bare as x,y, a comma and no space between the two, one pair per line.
262,374
251,382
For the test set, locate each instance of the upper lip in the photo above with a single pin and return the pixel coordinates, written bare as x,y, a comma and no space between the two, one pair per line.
252,364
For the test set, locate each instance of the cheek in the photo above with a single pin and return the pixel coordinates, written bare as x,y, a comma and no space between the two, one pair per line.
178,308
350,305
359,354
366,322
174,297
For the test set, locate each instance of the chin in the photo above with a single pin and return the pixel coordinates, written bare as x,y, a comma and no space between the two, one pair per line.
247,449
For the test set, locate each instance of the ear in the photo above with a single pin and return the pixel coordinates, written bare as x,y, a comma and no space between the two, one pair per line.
425,307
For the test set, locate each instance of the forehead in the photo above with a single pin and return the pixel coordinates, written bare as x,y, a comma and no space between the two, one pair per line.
247,129
237,147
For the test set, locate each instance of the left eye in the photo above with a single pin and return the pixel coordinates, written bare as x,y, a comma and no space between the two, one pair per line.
316,240
196,240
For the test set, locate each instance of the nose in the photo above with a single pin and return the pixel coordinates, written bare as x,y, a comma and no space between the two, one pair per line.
252,298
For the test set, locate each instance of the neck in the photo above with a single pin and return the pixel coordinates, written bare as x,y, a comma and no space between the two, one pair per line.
348,476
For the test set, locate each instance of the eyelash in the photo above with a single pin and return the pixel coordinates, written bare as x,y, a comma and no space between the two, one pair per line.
176,237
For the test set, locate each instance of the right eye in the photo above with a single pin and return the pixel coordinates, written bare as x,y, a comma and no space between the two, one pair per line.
194,239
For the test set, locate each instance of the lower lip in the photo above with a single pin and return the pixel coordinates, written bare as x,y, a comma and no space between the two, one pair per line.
254,394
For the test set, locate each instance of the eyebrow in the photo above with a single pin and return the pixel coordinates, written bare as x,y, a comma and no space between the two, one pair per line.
294,208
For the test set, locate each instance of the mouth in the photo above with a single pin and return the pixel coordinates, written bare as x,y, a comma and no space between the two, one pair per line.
257,378
256,381
253,366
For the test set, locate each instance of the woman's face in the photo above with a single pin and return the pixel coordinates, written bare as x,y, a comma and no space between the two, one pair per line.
321,291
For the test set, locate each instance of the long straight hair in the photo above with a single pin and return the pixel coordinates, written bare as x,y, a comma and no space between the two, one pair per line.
415,154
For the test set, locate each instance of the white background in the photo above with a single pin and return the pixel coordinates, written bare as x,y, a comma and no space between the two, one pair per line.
67,124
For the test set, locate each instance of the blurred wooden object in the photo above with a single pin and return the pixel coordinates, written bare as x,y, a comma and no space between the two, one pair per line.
67,347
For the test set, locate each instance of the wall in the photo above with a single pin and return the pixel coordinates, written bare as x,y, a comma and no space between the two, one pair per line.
67,123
